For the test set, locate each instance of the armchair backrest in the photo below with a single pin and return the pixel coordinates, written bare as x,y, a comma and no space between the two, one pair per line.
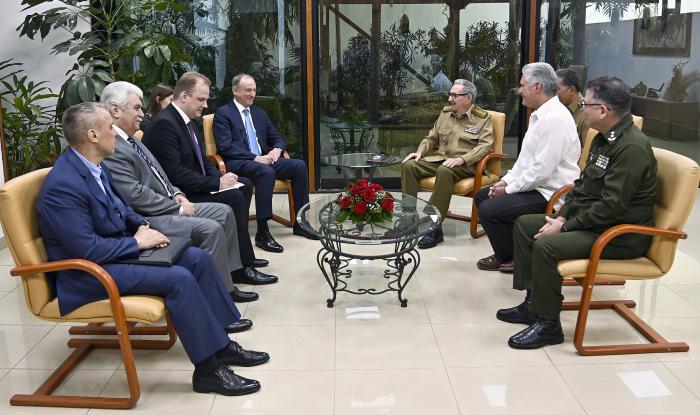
676,189
18,199
209,141
499,130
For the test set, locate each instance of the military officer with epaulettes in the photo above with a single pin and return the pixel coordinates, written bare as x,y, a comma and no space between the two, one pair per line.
461,136
618,185
568,91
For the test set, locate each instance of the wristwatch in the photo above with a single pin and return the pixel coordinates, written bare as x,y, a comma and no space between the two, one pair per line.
145,223
563,227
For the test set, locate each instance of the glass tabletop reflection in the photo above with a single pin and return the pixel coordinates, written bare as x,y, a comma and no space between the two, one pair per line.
357,160
411,219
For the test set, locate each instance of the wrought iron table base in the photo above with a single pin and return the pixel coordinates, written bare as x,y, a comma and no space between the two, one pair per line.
402,264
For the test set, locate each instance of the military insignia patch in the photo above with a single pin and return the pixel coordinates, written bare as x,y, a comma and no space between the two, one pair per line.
612,137
479,112
471,129
602,162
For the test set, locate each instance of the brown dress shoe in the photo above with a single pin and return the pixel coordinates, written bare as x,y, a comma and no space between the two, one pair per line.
490,263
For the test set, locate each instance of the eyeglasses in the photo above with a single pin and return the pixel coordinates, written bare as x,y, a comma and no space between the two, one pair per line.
583,104
454,96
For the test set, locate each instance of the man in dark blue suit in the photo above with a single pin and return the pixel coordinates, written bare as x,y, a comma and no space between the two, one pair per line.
252,148
81,215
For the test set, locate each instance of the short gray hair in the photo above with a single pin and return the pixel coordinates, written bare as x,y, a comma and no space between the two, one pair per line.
542,73
467,87
238,78
78,119
117,93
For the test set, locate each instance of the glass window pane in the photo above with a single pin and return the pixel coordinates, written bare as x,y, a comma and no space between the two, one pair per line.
651,47
385,71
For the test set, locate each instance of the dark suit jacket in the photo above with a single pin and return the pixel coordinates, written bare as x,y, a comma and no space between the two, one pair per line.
169,140
231,138
77,220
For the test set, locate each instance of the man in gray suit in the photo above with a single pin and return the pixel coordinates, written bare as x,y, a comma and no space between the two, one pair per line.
142,182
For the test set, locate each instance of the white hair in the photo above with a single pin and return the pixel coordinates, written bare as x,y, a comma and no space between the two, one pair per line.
117,93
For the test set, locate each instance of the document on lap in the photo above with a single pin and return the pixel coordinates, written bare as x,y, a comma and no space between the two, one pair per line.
235,186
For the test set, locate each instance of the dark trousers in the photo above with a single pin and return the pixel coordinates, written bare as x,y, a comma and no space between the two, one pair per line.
239,200
199,305
497,216
263,177
536,260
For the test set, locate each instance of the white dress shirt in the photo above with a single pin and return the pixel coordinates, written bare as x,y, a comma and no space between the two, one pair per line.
549,155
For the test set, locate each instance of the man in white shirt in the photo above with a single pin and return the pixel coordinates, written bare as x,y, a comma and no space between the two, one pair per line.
548,160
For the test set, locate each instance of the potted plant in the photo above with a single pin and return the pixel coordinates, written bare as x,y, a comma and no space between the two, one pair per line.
31,131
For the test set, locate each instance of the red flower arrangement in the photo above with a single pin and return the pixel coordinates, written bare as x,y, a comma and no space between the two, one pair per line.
365,201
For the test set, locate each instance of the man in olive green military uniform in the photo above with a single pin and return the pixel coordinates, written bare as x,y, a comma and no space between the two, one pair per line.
568,91
617,186
461,136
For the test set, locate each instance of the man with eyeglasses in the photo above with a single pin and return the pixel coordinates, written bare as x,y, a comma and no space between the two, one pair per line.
568,91
617,186
461,136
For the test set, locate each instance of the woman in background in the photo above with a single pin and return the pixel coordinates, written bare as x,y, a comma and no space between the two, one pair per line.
161,95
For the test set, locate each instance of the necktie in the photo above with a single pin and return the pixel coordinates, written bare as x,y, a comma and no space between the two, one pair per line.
252,141
197,151
161,177
117,204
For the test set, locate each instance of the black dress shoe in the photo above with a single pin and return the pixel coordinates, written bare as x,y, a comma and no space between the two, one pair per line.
519,314
252,276
259,263
431,238
234,354
266,242
299,231
242,324
542,332
239,296
224,382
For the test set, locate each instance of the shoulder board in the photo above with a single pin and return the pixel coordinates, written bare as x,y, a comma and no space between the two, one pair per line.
481,113
446,108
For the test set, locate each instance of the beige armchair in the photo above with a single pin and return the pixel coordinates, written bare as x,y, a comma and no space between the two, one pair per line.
18,199
678,178
488,171
281,186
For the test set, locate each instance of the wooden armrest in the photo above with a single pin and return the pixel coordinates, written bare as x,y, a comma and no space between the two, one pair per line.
218,162
555,197
481,168
602,241
84,265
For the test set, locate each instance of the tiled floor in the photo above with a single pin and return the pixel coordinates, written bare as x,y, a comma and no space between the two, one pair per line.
444,354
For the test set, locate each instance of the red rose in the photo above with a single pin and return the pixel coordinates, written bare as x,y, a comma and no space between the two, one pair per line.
368,195
360,208
388,195
355,190
345,202
376,186
363,183
388,205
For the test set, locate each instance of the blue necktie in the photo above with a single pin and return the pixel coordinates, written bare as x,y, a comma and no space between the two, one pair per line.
117,204
152,166
252,141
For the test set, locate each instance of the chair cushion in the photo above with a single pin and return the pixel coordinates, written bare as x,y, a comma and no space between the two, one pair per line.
462,187
623,269
139,308
282,185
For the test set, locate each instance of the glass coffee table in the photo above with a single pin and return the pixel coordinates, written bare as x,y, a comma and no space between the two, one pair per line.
358,163
393,241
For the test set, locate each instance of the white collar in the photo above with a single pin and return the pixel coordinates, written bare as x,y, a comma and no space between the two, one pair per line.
182,113
121,132
239,106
